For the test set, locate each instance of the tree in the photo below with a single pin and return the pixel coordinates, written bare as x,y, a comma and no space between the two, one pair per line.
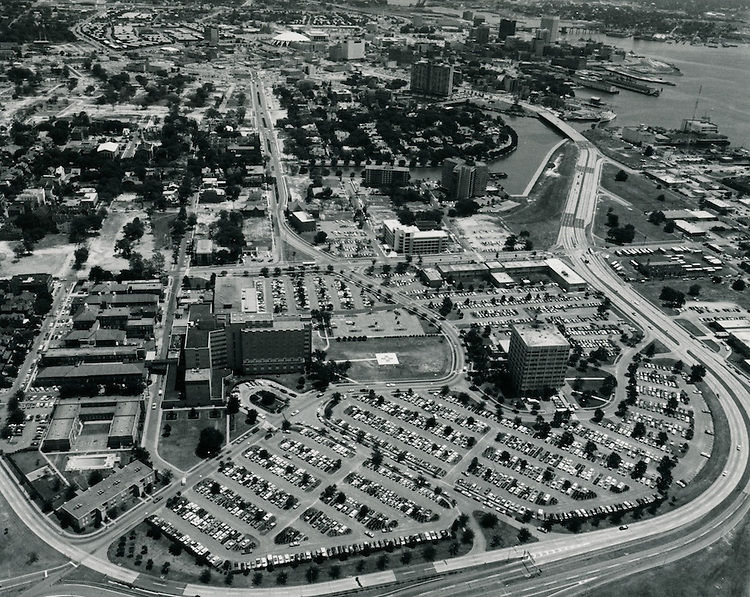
614,460
738,285
252,416
694,290
175,549
210,442
639,430
524,535
429,553
488,520
590,448
672,297
233,405
320,237
639,469
205,576
81,254
598,415
697,373
621,176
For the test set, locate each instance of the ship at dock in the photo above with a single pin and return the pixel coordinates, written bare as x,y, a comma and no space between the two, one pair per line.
627,82
594,83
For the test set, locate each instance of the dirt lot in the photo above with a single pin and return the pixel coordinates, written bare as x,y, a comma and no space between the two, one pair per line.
53,255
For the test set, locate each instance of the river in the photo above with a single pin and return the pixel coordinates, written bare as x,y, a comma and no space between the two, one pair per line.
722,73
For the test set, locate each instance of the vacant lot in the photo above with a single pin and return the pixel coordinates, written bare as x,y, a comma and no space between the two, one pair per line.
418,358
21,551
721,293
645,231
179,447
721,569
52,255
501,534
541,212
640,192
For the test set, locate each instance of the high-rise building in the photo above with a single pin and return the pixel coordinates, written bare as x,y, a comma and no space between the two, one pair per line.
432,78
482,34
552,24
462,180
410,240
211,35
507,28
537,358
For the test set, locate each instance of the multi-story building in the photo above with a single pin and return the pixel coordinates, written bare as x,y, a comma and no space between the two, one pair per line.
552,24
537,358
98,373
432,78
386,175
482,34
302,221
506,29
113,492
462,180
261,343
349,49
410,240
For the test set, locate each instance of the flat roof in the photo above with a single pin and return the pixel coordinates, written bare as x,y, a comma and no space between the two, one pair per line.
91,370
197,375
303,216
562,270
542,335
204,245
119,481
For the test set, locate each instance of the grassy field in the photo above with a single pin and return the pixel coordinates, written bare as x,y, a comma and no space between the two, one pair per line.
419,358
690,327
184,568
161,222
709,291
51,255
179,447
21,551
721,569
645,230
501,535
617,149
541,212
639,191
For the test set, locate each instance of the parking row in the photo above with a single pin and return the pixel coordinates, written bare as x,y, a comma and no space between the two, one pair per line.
209,525
435,408
366,438
390,498
544,475
362,513
260,486
281,467
512,485
405,480
226,498
683,414
324,524
310,455
410,438
417,419
342,448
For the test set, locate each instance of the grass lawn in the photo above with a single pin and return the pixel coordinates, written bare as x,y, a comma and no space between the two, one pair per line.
710,292
658,347
179,447
541,212
184,568
720,569
21,551
237,425
640,191
618,149
645,231
690,327
501,534
418,358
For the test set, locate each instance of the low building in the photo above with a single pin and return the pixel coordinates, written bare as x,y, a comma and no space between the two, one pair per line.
98,373
430,277
198,388
302,221
659,268
91,507
689,229
565,277
410,240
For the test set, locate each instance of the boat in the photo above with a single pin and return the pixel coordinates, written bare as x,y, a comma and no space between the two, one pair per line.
594,83
639,77
626,82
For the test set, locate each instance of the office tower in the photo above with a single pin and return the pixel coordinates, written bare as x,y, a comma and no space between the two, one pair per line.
432,78
462,180
537,358
551,24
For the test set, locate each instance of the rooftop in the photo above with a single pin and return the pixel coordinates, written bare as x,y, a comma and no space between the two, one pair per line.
540,335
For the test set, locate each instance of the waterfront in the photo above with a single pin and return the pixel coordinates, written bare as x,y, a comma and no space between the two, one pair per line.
721,71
